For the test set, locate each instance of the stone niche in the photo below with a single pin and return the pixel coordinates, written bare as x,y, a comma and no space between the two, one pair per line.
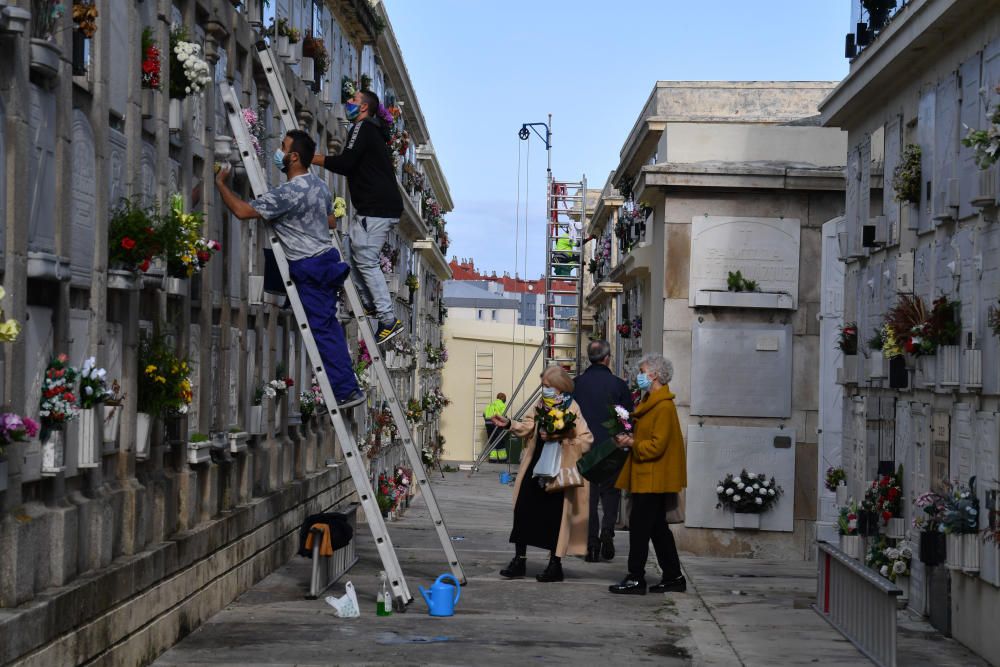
765,250
715,451
84,200
741,370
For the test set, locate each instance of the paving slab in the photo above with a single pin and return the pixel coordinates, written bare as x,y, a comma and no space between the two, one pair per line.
736,611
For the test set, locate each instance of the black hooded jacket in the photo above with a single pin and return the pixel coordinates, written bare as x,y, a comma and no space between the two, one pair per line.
367,164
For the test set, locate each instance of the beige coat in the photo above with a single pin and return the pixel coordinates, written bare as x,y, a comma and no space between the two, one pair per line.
576,504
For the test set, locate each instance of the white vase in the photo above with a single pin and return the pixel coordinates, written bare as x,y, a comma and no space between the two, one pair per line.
852,545
282,46
308,70
746,521
199,452
175,118
112,423
124,280
53,453
143,435
842,494
237,442
255,289
88,452
255,420
953,555
175,286
970,552
949,364
896,528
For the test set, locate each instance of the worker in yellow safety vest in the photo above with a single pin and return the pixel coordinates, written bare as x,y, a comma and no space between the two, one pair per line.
496,408
566,250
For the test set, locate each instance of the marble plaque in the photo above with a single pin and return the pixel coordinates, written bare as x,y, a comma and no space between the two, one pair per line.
714,451
194,364
987,438
741,370
962,464
215,379
252,376
116,166
147,174
84,200
120,62
762,249
113,340
235,354
41,170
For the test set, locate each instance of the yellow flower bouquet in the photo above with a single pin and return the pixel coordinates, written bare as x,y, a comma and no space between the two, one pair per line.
556,421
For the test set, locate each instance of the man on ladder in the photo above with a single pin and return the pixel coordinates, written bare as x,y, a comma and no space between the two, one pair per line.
297,211
371,178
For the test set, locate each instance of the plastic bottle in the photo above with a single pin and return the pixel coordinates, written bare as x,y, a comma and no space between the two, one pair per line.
384,597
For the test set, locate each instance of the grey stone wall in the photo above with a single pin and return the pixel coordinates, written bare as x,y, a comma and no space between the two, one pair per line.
116,561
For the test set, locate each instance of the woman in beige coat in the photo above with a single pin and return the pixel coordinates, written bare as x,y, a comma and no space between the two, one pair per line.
555,521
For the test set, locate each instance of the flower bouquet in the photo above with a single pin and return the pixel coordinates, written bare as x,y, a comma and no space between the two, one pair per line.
189,73
56,408
339,207
555,421
9,329
847,527
890,562
847,339
132,238
747,493
15,428
150,61
164,384
605,459
414,411
885,497
960,523
835,476
385,493
931,508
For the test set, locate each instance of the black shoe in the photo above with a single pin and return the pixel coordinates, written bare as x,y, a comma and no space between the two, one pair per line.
608,546
516,569
678,585
629,586
356,398
553,572
593,555
387,333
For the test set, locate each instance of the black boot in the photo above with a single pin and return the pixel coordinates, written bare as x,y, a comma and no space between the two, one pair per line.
593,555
678,585
553,571
608,546
516,569
630,585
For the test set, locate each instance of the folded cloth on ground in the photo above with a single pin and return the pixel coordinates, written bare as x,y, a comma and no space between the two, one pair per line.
340,532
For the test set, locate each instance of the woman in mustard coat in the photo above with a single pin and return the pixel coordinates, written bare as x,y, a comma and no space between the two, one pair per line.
655,468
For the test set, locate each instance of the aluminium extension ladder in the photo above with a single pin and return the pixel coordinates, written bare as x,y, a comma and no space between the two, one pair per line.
258,183
566,211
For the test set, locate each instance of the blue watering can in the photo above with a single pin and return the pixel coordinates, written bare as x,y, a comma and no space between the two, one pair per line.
441,598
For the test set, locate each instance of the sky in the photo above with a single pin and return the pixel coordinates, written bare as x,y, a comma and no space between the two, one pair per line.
482,68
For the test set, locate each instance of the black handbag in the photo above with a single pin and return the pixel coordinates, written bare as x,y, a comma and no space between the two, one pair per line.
602,462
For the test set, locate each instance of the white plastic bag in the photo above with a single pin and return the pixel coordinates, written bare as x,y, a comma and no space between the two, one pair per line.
550,460
347,605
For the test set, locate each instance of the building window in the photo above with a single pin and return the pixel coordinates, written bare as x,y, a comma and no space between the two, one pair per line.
494,313
479,315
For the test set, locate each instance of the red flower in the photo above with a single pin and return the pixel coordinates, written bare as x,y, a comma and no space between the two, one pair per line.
886,515
128,243
69,397
893,493
289,382
144,266
884,481
909,346
204,256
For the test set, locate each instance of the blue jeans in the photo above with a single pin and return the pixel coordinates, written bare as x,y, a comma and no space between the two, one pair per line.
317,280
364,242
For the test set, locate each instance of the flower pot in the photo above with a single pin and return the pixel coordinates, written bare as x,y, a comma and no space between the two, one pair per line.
746,521
238,442
223,146
53,453
896,528
927,371
112,424
255,290
392,282
150,102
124,280
89,455
842,496
143,435
932,548
44,58
282,46
294,52
953,553
867,523
853,546
175,118
256,420
949,364
175,286
848,373
970,552
899,375
903,583
308,70
199,452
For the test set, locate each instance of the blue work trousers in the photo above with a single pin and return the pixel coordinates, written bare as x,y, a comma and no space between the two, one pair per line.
317,280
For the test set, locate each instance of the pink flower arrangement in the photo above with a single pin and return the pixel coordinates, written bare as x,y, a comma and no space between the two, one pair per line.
14,428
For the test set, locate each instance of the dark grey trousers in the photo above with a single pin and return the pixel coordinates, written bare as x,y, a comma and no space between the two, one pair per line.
609,498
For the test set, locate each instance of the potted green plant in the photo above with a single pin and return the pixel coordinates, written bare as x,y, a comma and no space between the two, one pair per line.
199,449
907,175
132,245
45,53
747,495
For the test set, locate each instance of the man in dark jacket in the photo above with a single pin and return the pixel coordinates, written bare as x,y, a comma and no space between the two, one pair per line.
596,390
367,163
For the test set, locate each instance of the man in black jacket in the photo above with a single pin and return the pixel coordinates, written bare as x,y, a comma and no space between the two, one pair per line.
367,163
596,390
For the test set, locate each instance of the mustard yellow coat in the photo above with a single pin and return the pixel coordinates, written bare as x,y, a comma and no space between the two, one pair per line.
656,462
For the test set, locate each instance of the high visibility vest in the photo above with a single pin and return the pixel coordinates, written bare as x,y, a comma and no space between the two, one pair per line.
494,409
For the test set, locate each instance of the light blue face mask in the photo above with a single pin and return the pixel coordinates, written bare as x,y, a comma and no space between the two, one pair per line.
352,111
279,159
643,381
550,392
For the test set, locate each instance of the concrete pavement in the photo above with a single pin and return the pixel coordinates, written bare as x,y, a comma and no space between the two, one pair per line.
736,612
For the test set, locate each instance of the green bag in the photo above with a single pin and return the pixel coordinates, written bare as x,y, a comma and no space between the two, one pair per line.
602,462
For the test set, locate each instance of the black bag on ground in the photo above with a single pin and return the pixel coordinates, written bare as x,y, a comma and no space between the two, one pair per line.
340,531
